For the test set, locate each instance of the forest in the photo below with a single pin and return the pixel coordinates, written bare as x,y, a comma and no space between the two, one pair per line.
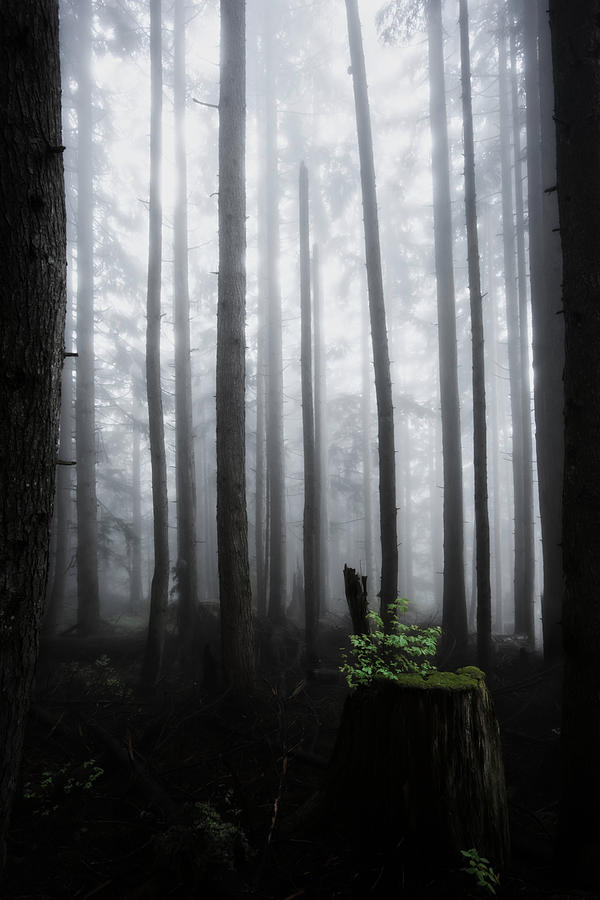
299,468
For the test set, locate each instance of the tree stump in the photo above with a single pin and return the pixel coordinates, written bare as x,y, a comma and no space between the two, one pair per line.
356,598
418,762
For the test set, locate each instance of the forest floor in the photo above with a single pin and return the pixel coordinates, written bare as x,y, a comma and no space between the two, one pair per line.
191,794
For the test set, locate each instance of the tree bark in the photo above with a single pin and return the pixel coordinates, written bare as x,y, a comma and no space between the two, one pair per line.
482,525
275,444
553,351
159,591
88,601
381,360
546,365
575,40
185,466
321,518
32,322
311,600
232,525
454,608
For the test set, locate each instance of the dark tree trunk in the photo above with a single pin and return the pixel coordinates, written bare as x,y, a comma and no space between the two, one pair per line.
454,601
482,525
135,583
275,446
88,602
523,521
232,524
448,794
553,458
159,591
575,41
381,360
311,601
365,418
185,466
526,479
547,353
321,523
32,321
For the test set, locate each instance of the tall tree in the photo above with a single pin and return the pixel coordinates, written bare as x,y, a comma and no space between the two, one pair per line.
381,359
547,366
575,41
32,320
275,445
88,601
159,591
232,524
187,581
482,525
454,601
321,515
553,350
521,428
311,601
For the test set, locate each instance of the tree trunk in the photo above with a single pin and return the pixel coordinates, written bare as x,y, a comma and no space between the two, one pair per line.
311,600
381,360
32,313
547,366
448,792
321,523
355,587
365,417
575,40
482,525
88,602
232,525
454,601
275,446
185,466
136,593
526,478
553,351
159,591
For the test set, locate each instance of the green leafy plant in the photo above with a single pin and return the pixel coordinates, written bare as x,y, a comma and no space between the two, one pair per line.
387,655
481,870
66,780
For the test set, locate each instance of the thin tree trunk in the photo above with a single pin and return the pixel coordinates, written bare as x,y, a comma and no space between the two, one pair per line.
185,467
454,607
546,418
553,356
381,360
88,602
365,416
159,591
311,599
135,585
321,528
521,599
275,446
235,593
33,241
482,526
260,508
575,41
526,478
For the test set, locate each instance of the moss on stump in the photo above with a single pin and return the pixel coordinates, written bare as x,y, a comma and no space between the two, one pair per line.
418,762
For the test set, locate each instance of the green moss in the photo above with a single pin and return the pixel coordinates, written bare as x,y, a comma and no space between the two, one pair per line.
461,680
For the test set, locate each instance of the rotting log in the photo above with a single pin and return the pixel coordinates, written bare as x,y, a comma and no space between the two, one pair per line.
418,765
356,598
